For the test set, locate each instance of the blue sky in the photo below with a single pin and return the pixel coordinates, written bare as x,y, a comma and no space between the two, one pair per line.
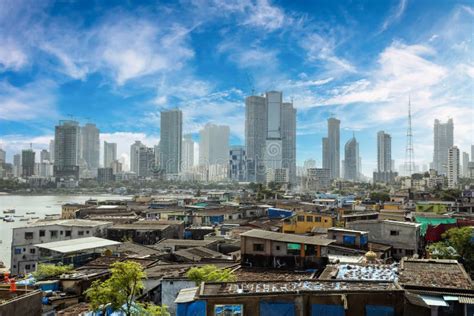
118,63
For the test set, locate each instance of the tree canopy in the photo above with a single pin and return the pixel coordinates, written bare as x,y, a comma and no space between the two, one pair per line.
46,271
210,273
120,291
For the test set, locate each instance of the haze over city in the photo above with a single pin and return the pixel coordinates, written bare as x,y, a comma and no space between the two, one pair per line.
119,64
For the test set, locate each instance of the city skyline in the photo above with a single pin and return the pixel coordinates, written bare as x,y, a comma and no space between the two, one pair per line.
122,90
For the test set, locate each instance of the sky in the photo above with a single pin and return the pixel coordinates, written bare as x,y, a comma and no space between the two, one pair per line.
119,63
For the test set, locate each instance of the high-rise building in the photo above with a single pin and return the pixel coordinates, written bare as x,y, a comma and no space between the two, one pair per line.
288,139
331,148
134,158
51,150
270,137
171,136
27,163
105,175
214,145
237,164
17,165
116,166
317,179
3,156
45,156
351,160
384,152
465,165
453,167
472,153
110,154
90,146
146,162
255,137
385,163
67,149
443,140
188,152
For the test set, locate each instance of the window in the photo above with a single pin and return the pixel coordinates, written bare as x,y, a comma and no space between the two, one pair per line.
409,252
27,267
258,247
293,249
234,310
61,232
17,251
300,218
28,235
394,233
317,219
277,247
309,218
54,233
68,233
80,233
87,232
42,233
32,250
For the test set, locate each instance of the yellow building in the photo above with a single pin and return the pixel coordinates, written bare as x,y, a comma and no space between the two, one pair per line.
305,222
68,211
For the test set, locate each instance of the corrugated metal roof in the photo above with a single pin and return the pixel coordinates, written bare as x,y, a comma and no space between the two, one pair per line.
466,300
186,295
290,238
433,301
78,244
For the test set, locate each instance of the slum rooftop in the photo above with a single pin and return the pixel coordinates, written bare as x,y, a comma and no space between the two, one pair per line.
66,222
78,244
290,238
433,273
274,287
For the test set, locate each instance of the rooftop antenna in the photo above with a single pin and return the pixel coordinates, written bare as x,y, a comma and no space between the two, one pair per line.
409,152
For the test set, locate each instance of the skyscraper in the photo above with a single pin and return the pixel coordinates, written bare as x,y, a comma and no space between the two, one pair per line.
90,146
255,136
453,167
384,152
351,160
45,156
134,156
110,154
325,151
385,165
214,145
443,140
465,165
188,152
171,132
3,156
237,163
146,162
67,149
333,148
288,139
17,165
27,163
270,138
51,150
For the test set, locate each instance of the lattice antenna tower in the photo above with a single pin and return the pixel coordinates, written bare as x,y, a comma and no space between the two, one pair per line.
409,152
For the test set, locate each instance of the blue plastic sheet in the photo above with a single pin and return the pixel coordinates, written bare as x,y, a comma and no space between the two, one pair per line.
195,308
378,310
327,310
348,240
277,308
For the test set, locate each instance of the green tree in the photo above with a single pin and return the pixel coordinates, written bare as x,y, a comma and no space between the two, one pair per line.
210,273
380,196
120,291
460,239
46,271
442,250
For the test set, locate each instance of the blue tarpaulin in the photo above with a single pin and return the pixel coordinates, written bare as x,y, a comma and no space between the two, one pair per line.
277,308
348,240
363,240
327,310
195,308
279,213
377,310
216,219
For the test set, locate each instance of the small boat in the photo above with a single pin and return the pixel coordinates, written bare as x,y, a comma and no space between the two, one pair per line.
35,217
18,215
10,211
29,213
24,219
9,219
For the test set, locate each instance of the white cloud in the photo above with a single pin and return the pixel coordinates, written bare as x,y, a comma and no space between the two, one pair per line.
33,101
263,14
394,16
12,56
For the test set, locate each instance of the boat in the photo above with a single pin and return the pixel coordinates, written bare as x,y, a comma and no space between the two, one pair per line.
18,215
9,219
24,219
29,213
10,211
35,217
